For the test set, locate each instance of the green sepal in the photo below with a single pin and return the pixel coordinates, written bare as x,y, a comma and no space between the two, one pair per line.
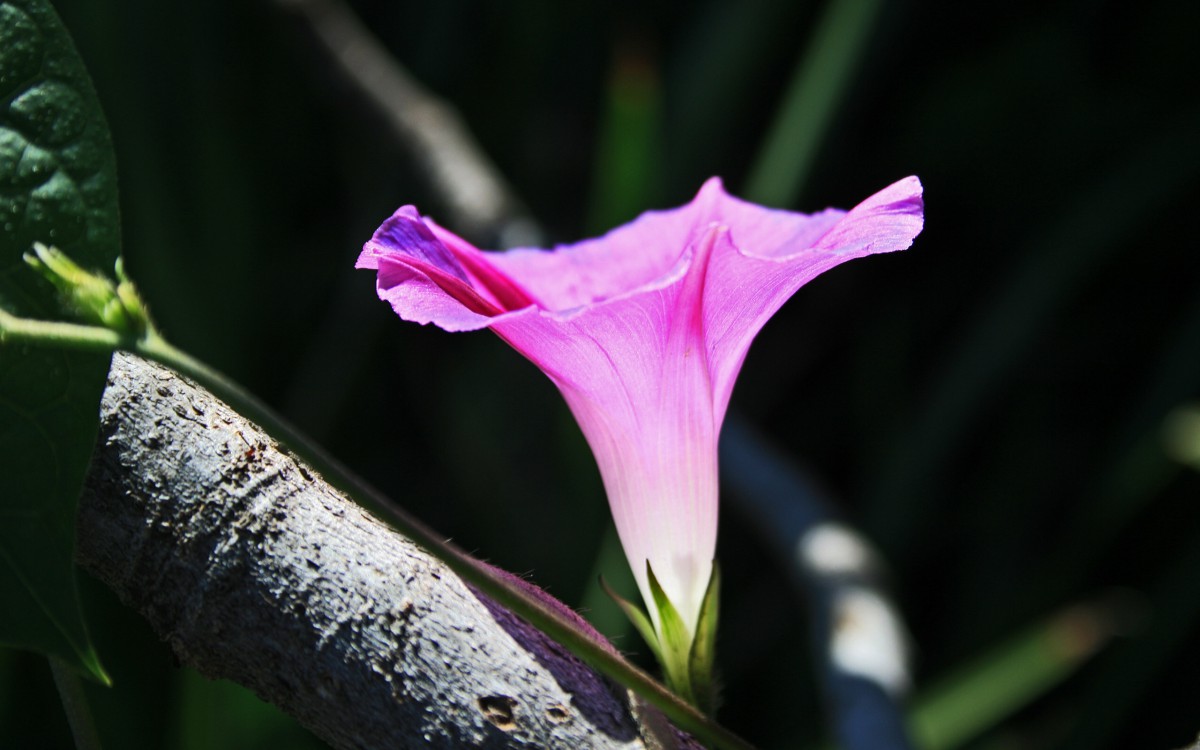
637,617
674,641
687,659
131,301
702,660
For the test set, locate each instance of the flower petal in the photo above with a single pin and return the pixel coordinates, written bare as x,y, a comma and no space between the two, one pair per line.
643,331
430,275
638,255
422,294
774,253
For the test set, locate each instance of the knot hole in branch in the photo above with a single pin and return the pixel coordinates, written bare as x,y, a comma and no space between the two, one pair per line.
501,710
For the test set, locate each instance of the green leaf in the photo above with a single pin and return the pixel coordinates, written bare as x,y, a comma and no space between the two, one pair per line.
57,186
702,661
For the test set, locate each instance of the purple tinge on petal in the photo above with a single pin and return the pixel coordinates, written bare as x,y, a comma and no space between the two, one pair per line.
643,331
482,272
417,296
889,220
407,234
432,276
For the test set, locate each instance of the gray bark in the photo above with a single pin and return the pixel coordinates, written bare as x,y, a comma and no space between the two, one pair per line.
255,570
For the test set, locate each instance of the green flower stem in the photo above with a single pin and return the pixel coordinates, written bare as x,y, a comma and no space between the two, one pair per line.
75,704
153,346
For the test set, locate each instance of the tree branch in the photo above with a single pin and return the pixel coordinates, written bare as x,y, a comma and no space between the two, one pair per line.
253,569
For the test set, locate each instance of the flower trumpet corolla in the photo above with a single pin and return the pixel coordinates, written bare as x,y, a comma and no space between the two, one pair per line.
643,331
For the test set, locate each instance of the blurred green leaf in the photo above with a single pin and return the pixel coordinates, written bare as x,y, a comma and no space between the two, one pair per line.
1181,435
610,573
817,87
220,713
57,186
984,692
628,165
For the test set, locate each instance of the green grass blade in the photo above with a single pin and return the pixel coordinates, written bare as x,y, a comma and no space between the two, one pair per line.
817,88
985,692
627,171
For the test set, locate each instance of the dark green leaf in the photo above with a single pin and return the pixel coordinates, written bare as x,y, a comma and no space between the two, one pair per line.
58,187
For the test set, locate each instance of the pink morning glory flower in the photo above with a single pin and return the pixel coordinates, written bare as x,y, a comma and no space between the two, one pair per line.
643,331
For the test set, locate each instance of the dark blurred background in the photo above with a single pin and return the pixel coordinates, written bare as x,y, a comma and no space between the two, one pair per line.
988,407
